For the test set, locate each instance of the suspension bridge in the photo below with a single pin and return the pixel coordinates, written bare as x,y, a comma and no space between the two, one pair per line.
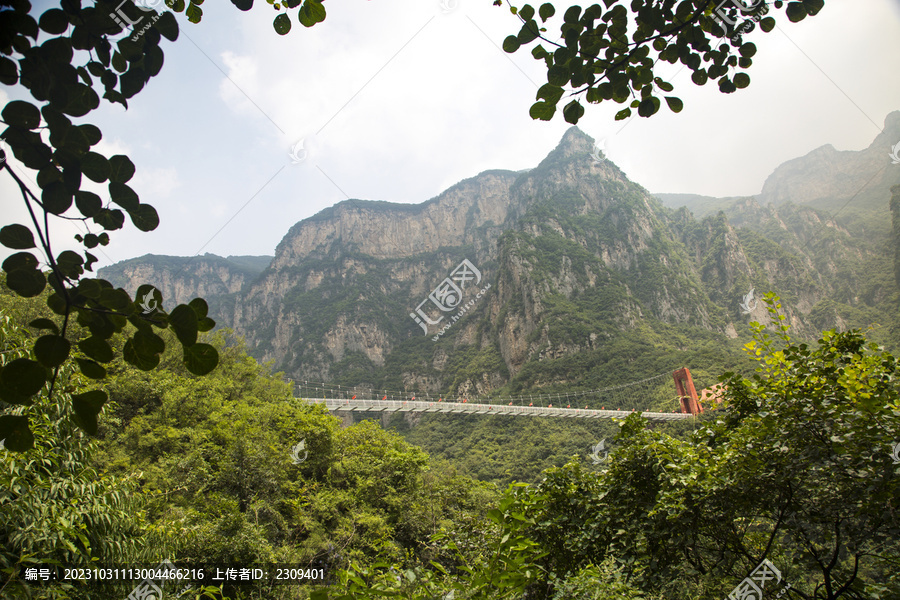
581,404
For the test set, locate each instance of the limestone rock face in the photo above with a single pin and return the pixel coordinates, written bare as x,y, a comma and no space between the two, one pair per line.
530,278
826,173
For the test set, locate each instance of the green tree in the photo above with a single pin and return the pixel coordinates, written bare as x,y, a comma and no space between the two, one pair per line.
55,507
612,54
62,82
796,469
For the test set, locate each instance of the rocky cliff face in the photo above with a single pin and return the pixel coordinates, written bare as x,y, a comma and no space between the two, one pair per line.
181,279
830,179
538,278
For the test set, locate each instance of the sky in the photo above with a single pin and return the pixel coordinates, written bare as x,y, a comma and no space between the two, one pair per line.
397,100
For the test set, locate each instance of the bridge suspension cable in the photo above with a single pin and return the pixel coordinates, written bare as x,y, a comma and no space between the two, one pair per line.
656,390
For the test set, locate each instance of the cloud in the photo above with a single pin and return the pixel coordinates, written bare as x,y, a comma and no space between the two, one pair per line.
155,183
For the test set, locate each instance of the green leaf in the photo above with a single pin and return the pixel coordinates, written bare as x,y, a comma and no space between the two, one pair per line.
19,113
741,80
144,217
649,106
123,195
21,379
243,4
52,350
511,44
550,93
167,26
15,433
311,12
194,13
767,24
80,100
56,198
96,348
546,11
95,167
282,24
795,11
87,406
57,303
44,323
91,133
573,111
148,343
200,359
748,50
88,203
20,261
144,362
542,110
9,73
17,237
200,307
110,219
675,104
91,369
89,288
529,32
54,21
183,320
70,264
813,6
121,168
26,283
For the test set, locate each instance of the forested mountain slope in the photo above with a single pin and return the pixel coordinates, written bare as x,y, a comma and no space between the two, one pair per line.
576,277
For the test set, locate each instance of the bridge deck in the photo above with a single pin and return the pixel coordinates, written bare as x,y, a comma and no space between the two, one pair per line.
335,404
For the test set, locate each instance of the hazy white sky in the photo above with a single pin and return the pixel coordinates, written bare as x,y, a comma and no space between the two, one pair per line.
397,100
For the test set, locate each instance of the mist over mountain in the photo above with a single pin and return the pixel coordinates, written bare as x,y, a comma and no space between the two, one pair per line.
568,274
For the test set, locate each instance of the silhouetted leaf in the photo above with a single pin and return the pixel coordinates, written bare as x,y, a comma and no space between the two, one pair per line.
44,323
675,104
573,111
546,11
511,44
17,237
56,198
88,203
54,21
110,219
15,433
19,113
87,406
144,362
282,24
121,168
95,167
27,283
200,359
96,348
167,26
542,110
91,369
52,350
183,320
144,217
311,12
21,379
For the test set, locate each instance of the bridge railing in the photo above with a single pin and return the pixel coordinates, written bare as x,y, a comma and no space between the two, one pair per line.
369,405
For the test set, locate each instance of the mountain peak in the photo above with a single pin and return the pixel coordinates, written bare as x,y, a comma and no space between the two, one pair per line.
575,141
